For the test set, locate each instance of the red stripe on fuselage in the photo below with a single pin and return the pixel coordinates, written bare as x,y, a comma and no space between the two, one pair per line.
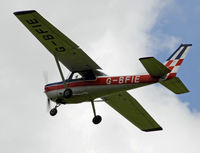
54,87
120,80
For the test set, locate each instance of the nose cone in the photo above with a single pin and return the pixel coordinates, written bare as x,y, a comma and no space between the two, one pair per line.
47,88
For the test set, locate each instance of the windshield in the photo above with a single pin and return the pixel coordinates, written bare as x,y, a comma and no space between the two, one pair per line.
76,76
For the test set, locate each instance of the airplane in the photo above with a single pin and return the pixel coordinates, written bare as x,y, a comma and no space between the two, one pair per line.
87,83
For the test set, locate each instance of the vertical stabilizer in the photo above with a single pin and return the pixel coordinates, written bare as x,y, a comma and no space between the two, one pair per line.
176,59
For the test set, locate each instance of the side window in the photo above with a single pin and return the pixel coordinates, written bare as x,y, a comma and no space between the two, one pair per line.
76,76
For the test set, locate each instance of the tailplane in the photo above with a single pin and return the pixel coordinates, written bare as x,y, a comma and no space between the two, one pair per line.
167,72
154,67
173,63
175,85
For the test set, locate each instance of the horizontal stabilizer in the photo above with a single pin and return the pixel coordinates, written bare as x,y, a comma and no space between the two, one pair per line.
175,85
154,67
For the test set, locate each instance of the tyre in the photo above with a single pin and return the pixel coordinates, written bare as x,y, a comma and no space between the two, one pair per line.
67,93
53,112
97,119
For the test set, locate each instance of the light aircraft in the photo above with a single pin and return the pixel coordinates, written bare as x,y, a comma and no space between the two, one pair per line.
87,83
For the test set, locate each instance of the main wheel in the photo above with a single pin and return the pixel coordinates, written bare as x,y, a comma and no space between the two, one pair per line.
53,112
97,119
67,93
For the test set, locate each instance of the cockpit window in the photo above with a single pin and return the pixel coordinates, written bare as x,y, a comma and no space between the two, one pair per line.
88,75
76,76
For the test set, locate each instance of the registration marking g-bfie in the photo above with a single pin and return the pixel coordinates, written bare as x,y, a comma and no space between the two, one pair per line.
35,24
123,80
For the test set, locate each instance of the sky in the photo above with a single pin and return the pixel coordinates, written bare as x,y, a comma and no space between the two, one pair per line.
115,34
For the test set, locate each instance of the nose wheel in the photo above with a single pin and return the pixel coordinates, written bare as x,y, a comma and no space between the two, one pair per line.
54,111
97,118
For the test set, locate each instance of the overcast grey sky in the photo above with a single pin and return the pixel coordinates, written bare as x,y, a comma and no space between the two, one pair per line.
114,32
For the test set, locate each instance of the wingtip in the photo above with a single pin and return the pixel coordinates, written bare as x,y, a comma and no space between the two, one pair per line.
154,129
142,58
24,12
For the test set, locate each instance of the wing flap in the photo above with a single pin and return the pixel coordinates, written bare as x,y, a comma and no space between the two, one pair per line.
154,67
128,107
175,85
67,52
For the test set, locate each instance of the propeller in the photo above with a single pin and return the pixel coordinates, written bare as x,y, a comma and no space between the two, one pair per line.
45,76
48,105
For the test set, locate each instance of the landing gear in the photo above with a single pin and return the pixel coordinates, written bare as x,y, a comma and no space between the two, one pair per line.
97,118
54,111
67,93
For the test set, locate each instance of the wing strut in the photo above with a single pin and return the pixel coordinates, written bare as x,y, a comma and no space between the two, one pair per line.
60,70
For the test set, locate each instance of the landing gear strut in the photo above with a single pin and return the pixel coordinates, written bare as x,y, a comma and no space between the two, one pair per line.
97,118
54,111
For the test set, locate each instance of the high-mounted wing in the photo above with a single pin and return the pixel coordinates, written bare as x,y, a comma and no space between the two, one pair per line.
67,52
128,107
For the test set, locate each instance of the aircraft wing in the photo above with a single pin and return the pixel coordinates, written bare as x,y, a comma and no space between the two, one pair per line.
67,52
128,107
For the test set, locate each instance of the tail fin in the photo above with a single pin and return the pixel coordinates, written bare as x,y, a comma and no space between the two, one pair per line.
167,71
175,60
173,63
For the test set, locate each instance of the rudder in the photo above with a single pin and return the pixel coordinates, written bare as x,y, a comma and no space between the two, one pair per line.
176,59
